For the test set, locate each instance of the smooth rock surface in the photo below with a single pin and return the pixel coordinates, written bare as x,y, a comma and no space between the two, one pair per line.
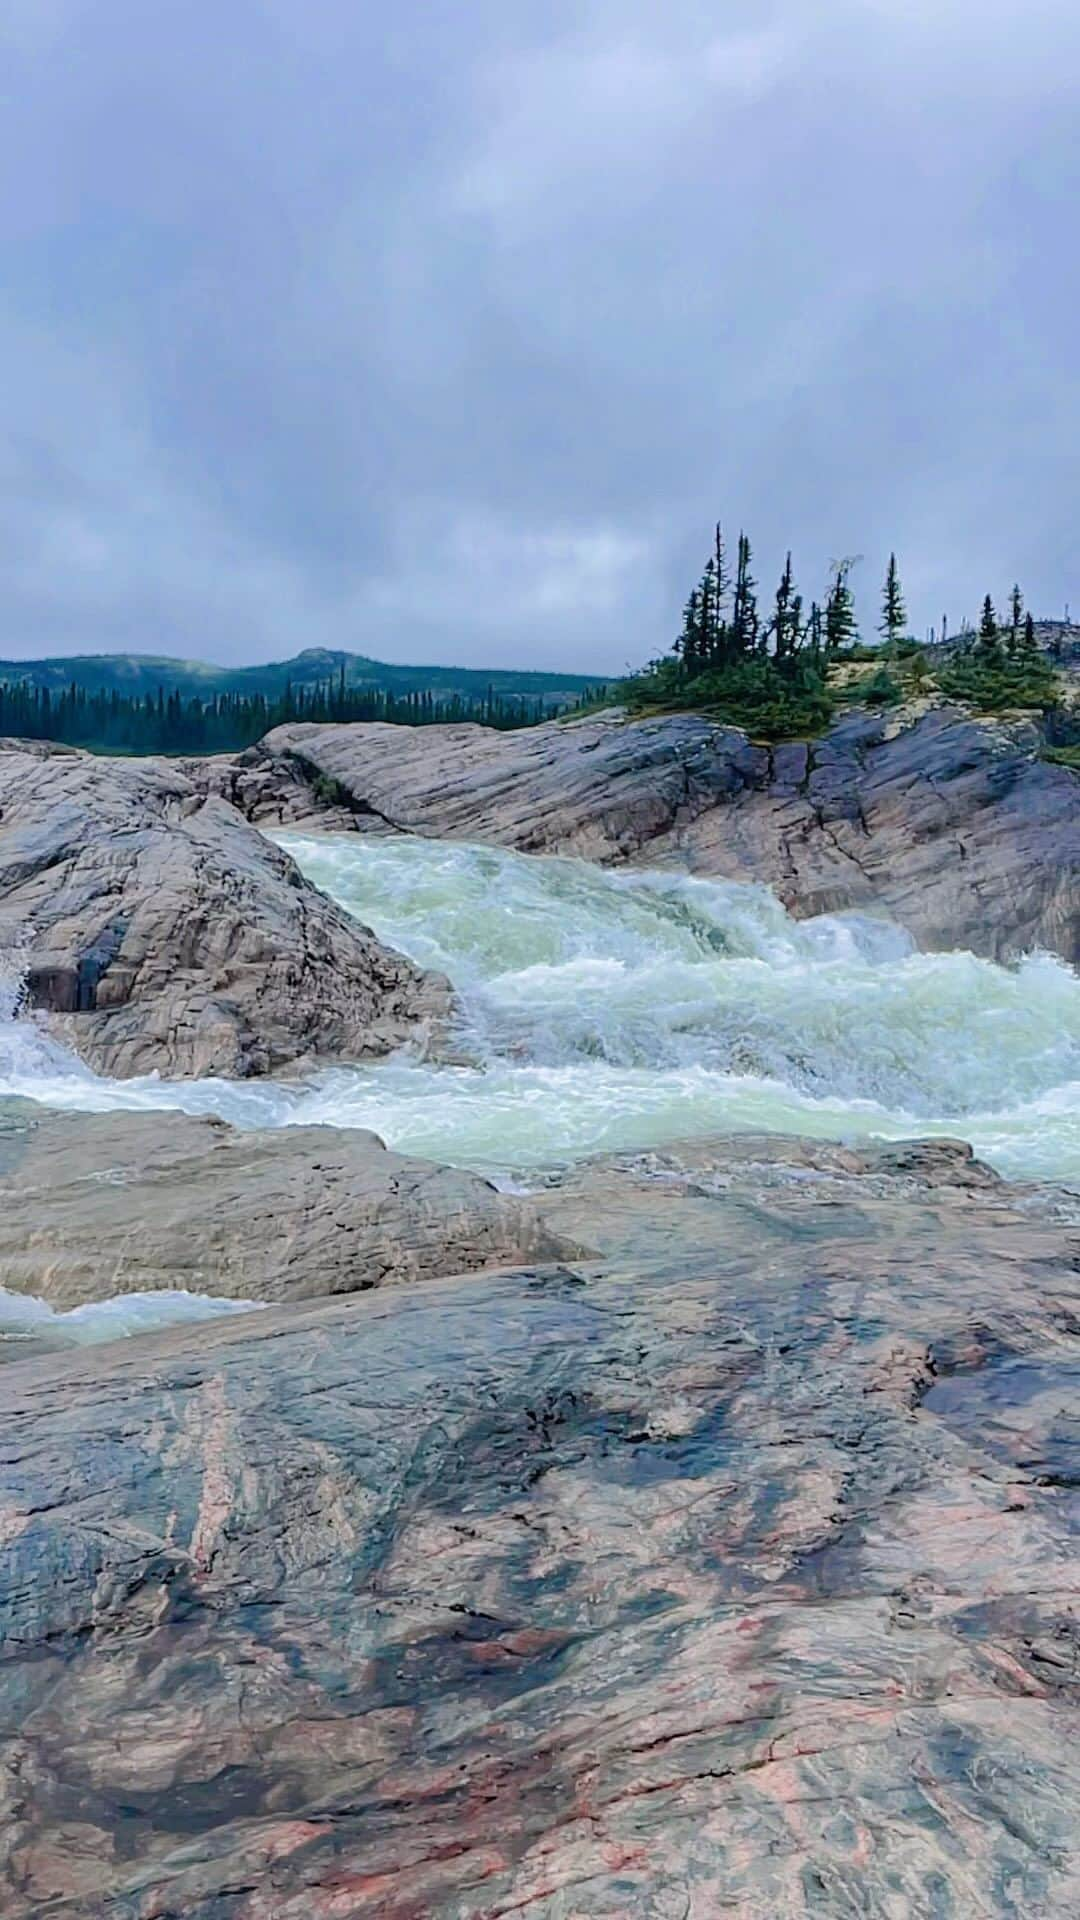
95,1205
950,825
158,931
734,1571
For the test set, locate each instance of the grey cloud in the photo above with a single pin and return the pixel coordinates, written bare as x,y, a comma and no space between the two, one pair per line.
444,332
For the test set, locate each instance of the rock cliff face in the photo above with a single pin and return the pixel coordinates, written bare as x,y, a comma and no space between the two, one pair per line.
733,1570
93,1205
952,826
158,931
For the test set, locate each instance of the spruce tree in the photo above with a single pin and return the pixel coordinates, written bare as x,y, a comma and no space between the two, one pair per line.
893,611
709,618
687,643
796,630
988,646
722,632
781,624
840,628
1016,612
744,615
1031,646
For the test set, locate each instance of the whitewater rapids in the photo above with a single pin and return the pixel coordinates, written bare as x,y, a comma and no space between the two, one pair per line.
607,1011
23,1317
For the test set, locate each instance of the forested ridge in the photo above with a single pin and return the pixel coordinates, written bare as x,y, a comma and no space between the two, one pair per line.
173,722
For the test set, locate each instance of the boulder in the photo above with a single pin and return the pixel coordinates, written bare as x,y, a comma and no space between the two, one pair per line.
949,824
731,1570
96,1205
157,931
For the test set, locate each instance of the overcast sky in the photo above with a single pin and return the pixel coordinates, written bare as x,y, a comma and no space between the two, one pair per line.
443,329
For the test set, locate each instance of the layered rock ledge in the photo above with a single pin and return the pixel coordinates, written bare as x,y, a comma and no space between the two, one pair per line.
95,1205
156,930
951,825
733,1570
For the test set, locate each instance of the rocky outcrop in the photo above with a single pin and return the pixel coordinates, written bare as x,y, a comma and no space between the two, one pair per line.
158,932
951,825
599,788
733,1570
274,792
95,1205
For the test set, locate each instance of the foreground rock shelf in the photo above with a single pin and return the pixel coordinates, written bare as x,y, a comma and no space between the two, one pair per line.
733,1568
159,932
951,825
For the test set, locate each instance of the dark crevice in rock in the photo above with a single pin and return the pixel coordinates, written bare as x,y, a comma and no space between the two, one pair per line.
334,792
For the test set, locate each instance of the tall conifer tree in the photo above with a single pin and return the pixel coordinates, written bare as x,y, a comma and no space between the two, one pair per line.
1016,615
722,631
744,614
893,611
786,614
988,646
840,628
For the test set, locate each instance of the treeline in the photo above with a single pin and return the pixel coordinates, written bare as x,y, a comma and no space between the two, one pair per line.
762,669
773,671
722,626
170,722
1002,665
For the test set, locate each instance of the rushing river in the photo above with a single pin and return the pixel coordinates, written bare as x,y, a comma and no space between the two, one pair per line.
620,1010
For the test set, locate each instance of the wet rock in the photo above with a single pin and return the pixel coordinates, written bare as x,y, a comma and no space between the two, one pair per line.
94,1205
158,932
950,825
731,1570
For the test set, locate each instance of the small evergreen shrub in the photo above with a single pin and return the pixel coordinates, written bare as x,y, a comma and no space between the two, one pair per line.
751,694
881,690
995,686
1063,756
330,792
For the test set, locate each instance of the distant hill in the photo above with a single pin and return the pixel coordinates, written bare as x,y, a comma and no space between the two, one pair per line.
141,673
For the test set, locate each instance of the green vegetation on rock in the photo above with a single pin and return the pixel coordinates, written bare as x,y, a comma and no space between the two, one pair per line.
996,673
1064,756
767,675
783,676
751,694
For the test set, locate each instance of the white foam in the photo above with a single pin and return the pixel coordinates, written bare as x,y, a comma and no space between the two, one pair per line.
24,1316
619,1010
